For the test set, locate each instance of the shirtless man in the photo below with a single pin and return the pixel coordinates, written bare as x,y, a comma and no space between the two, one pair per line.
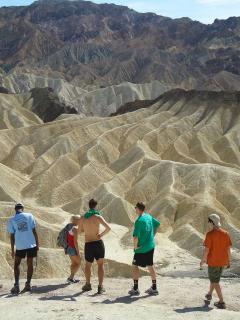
94,246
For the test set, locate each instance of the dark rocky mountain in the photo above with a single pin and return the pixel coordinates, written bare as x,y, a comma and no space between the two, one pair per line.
47,106
104,44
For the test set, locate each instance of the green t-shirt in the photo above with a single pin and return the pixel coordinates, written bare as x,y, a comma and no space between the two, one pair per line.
144,229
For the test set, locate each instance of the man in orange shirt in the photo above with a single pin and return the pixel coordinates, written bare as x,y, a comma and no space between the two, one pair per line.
217,255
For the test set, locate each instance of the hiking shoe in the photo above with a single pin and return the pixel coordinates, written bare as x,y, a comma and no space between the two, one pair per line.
101,290
208,297
70,280
27,288
87,287
220,305
15,289
134,292
152,292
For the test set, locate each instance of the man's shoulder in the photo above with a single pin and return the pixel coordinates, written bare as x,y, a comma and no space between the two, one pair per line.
225,233
11,219
210,233
27,214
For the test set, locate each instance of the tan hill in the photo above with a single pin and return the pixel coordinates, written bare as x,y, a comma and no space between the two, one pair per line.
19,110
180,156
87,101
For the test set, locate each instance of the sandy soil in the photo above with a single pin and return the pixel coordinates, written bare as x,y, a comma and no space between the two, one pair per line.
179,298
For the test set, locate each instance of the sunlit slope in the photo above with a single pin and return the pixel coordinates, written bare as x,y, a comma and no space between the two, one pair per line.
180,156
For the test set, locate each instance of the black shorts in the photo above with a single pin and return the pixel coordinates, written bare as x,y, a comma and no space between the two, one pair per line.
143,259
94,250
30,253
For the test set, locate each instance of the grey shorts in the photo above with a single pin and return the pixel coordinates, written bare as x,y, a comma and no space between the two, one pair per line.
71,251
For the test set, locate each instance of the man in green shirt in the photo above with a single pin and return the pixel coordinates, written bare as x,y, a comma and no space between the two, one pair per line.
145,228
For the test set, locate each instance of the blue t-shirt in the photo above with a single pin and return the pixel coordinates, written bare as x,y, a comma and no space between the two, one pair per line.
22,225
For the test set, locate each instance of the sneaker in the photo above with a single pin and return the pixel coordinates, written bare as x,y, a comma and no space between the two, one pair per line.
220,305
208,297
15,289
27,288
134,292
152,292
70,280
87,287
101,290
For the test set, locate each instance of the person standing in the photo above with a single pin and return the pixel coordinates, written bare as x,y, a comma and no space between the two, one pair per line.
217,255
94,247
145,229
73,250
23,235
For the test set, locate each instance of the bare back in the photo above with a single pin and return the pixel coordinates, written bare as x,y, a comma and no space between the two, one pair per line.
91,228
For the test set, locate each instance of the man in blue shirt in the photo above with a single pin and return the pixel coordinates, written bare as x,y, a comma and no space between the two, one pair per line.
145,228
23,235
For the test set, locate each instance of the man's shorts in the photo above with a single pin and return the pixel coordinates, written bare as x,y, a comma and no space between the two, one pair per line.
71,251
143,259
94,250
30,253
214,274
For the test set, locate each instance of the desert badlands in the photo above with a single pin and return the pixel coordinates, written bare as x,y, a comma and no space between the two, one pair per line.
101,101
180,156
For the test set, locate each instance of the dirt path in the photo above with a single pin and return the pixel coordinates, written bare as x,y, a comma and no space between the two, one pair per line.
180,298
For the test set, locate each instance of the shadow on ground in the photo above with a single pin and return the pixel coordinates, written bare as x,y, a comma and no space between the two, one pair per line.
194,309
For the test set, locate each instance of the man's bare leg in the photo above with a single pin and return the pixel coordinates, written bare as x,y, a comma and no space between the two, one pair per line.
100,263
153,289
211,289
88,267
17,263
136,273
29,270
152,272
219,292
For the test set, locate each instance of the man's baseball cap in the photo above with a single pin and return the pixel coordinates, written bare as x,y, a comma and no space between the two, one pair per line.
215,219
19,205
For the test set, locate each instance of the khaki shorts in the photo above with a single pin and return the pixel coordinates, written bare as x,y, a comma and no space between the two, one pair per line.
214,274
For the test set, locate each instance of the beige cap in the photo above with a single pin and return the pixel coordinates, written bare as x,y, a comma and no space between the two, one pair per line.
215,219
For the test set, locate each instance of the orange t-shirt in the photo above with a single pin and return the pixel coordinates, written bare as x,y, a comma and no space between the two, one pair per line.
218,242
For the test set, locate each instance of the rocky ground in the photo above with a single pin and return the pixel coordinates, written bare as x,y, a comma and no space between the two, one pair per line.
179,298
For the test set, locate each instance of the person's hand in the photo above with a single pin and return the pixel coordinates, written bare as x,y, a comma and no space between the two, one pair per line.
99,236
13,254
201,264
136,248
229,266
37,247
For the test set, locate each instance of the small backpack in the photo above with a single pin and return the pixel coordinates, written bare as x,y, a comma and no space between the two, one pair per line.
62,236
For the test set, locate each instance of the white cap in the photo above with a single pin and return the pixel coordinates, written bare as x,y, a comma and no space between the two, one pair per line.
215,219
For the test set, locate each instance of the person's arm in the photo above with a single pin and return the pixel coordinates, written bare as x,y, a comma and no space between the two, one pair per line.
135,243
106,225
75,235
229,257
80,226
156,225
36,237
11,231
12,241
136,235
205,256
